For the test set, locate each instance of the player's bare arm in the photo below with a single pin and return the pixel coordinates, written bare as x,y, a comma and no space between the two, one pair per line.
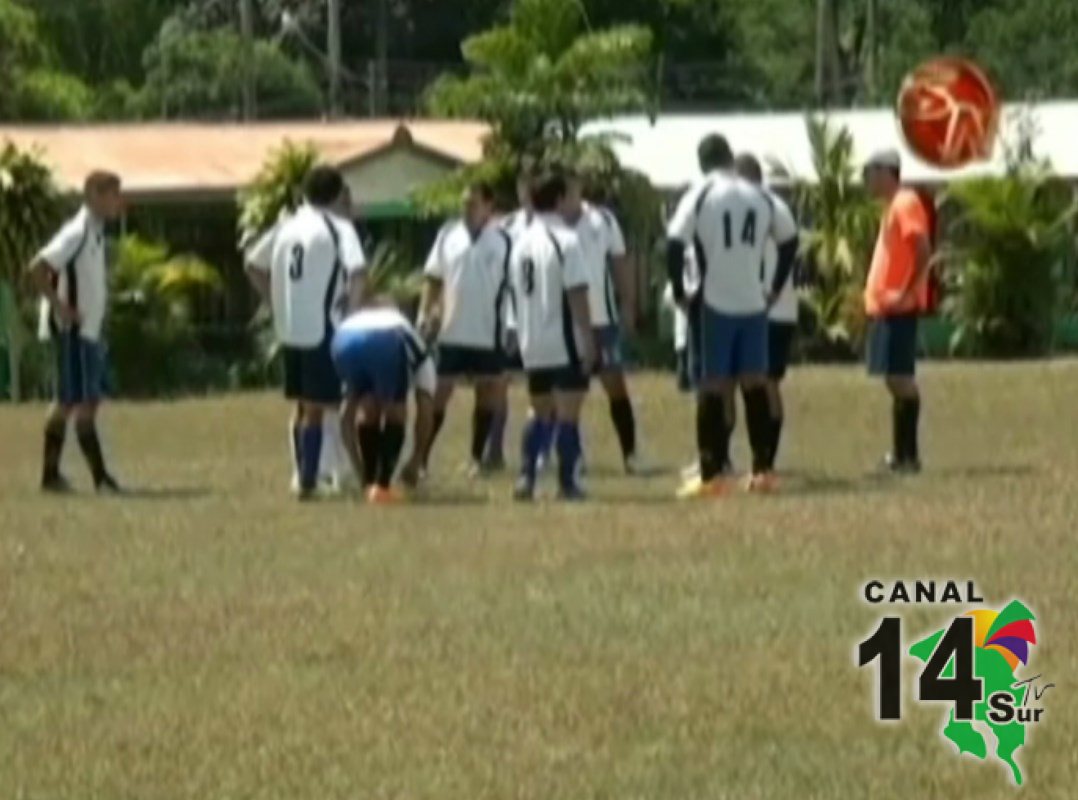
625,280
581,313
41,274
260,280
430,307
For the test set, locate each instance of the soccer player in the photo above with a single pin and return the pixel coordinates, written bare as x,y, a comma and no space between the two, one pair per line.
315,255
612,302
728,221
550,283
379,356
895,295
514,225
259,260
782,314
467,275
70,274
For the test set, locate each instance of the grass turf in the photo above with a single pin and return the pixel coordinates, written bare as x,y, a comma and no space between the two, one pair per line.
210,638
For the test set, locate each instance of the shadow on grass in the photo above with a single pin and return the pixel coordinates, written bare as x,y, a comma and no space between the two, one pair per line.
165,493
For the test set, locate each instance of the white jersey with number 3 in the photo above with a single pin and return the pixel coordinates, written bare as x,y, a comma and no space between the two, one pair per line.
546,262
314,252
729,221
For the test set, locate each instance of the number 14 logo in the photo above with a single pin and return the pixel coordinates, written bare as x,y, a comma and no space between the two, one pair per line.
962,688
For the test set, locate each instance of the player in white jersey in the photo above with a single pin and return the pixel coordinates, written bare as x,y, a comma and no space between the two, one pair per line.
728,221
612,302
550,285
782,315
379,356
467,274
334,469
514,225
70,274
315,255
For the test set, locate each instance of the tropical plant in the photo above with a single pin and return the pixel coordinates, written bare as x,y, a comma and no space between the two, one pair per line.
1010,242
840,223
30,209
276,189
153,321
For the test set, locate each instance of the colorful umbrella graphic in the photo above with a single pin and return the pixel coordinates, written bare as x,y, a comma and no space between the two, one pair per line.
1009,632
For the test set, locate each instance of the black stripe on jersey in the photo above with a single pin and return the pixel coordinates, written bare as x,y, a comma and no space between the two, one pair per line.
503,289
414,350
331,289
71,274
568,332
697,244
608,278
557,247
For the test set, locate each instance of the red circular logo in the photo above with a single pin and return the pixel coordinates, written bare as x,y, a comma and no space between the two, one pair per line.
949,112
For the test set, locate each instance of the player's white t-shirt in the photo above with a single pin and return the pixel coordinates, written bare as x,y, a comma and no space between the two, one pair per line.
474,271
421,372
76,254
314,253
785,307
601,240
546,262
729,220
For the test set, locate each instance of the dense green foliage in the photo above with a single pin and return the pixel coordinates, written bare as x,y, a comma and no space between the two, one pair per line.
132,58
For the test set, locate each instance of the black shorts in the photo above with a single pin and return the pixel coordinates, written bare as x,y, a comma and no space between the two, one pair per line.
780,339
310,376
557,379
455,361
892,346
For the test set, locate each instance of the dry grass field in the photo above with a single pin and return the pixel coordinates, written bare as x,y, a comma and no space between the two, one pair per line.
208,637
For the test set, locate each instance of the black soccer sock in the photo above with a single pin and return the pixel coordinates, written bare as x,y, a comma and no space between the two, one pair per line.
758,422
370,445
55,433
621,412
390,452
439,421
712,436
912,417
898,430
482,422
776,437
90,445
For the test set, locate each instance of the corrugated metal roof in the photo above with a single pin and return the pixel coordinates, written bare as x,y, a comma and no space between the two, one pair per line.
167,158
666,150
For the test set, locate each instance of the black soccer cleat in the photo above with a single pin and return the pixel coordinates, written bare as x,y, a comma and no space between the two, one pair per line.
107,485
900,466
56,484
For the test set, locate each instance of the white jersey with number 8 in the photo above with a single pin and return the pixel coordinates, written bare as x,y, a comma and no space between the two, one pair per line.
546,262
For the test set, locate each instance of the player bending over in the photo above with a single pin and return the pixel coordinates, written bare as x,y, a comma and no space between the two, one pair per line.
70,274
462,307
782,311
550,284
612,303
379,355
728,221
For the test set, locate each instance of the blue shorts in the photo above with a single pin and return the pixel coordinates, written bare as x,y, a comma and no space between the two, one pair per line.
80,370
611,356
733,345
892,346
372,363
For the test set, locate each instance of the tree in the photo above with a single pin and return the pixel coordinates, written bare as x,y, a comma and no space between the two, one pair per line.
195,73
30,209
543,74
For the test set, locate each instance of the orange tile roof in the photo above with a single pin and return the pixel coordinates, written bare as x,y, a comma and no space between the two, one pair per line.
165,157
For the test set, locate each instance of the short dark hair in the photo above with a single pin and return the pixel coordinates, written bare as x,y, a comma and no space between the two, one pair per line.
323,186
714,152
548,188
748,167
484,189
101,181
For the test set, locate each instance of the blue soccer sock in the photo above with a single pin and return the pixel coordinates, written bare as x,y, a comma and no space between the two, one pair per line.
536,432
310,456
570,450
550,435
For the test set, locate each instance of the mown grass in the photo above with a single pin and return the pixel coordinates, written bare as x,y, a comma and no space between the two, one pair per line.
210,638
